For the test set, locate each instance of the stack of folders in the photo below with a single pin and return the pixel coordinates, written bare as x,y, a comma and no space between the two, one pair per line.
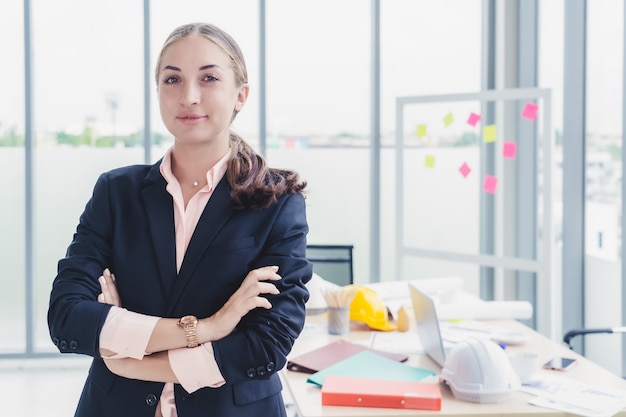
367,379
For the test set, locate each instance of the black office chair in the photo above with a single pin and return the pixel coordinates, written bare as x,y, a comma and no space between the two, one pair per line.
567,338
334,263
581,332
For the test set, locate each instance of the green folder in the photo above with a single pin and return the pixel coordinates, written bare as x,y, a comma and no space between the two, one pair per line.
367,364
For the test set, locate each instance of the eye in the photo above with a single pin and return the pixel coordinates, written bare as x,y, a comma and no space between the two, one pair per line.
209,78
170,80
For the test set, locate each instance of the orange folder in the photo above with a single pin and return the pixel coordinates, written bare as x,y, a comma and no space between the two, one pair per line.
367,392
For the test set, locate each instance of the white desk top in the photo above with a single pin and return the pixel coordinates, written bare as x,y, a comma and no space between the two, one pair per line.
307,397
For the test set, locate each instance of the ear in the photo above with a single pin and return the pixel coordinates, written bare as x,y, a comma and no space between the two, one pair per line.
242,96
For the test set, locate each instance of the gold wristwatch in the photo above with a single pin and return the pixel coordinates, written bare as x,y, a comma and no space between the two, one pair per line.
189,324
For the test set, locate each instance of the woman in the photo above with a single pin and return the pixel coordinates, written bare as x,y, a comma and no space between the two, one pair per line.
190,316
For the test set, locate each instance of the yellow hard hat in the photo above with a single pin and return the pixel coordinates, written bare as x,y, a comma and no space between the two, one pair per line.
368,308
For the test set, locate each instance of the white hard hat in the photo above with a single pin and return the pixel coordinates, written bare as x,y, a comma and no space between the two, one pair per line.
478,370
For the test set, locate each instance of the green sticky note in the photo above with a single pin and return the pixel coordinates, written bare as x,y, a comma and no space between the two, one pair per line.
421,131
367,364
448,119
489,133
429,162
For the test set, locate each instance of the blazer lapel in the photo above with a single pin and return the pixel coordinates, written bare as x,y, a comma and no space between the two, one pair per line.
216,213
159,208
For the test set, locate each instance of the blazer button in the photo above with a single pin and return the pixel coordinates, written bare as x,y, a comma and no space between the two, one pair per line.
63,345
260,371
73,344
251,372
151,400
270,366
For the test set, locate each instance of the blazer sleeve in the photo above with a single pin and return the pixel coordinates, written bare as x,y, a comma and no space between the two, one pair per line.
259,345
75,317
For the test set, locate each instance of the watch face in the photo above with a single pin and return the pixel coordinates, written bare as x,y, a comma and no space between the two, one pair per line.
188,320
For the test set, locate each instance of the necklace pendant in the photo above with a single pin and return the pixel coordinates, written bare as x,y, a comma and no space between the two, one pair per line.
195,183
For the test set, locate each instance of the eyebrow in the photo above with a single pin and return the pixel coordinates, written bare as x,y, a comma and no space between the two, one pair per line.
202,68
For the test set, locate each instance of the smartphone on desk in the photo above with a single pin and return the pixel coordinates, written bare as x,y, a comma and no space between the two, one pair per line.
560,364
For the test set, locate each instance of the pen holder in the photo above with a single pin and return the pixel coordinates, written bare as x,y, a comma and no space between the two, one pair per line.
338,320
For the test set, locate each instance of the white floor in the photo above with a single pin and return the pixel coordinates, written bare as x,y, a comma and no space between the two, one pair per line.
47,387
41,387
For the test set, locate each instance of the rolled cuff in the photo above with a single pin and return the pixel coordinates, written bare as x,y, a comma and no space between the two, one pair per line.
196,368
127,333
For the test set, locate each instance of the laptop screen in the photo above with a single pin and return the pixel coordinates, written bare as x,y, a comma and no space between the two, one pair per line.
427,325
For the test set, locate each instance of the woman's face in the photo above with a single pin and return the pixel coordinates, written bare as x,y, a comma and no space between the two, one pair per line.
198,91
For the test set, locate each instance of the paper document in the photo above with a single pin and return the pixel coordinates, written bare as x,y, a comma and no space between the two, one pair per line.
574,397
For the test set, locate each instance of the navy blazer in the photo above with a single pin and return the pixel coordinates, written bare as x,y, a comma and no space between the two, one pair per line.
128,226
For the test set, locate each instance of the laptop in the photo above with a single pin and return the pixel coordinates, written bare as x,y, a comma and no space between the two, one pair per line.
428,325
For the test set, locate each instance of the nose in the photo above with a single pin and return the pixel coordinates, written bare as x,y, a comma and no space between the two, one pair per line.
190,94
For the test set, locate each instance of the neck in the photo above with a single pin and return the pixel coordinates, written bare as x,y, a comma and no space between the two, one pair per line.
190,164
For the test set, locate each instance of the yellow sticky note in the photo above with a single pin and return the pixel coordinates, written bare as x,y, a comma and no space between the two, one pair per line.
448,119
429,162
489,133
421,131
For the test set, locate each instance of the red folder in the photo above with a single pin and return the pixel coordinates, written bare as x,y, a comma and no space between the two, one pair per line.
366,392
327,355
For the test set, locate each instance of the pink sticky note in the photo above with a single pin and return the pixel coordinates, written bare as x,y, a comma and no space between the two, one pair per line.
509,149
489,185
530,111
465,169
473,119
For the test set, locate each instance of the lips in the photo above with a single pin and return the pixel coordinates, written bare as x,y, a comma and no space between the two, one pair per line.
191,118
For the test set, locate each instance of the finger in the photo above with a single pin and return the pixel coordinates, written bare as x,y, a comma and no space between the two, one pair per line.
113,294
266,273
101,299
267,288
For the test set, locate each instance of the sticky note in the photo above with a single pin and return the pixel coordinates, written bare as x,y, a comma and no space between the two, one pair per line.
489,133
448,119
429,161
530,111
509,149
421,131
465,169
489,185
473,119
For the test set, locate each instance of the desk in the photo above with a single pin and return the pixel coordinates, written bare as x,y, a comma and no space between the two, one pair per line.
308,399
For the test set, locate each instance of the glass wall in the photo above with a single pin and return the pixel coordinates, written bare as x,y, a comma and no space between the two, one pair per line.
318,113
603,231
88,118
431,48
12,184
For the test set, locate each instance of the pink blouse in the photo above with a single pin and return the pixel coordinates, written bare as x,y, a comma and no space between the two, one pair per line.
128,333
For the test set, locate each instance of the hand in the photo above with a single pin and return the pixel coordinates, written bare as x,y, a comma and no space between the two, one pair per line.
246,298
109,293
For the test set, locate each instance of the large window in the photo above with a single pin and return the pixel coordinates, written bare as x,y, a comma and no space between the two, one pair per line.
318,108
603,222
88,111
12,209
432,48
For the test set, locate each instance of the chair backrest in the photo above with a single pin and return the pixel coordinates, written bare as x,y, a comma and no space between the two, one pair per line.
332,262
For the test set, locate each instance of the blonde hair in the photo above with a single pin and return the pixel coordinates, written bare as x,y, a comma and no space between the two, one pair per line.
253,184
215,35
